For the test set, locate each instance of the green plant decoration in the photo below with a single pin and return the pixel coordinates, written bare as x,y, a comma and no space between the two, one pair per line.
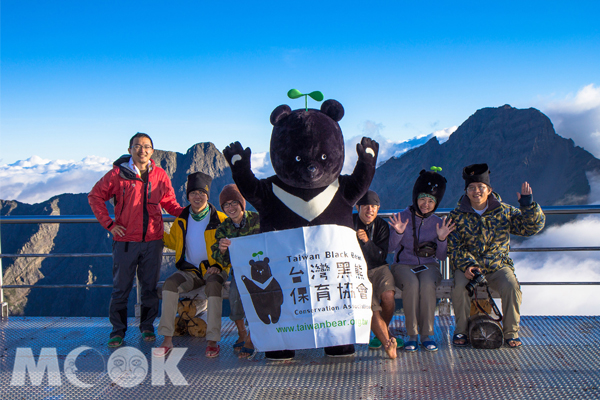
436,169
259,253
316,95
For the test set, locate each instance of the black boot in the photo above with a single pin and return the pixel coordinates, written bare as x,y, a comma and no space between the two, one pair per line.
346,350
280,355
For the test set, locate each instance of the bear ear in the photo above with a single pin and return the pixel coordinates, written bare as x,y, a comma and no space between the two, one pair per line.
280,112
267,260
333,109
251,262
422,172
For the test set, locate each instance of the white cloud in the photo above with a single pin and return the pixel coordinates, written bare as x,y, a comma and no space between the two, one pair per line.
35,180
444,134
261,165
578,117
387,148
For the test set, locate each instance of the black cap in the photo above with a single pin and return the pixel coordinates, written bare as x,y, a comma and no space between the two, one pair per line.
476,173
198,181
369,199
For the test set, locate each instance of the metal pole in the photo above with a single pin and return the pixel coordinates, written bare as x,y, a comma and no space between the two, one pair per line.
444,306
3,304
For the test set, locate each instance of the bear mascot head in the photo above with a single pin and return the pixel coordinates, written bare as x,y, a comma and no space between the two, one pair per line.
307,146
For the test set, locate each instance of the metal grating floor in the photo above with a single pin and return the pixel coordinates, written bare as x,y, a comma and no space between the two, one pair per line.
560,360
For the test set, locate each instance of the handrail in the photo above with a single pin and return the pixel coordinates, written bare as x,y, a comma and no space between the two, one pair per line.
549,210
78,219
108,285
75,219
73,255
59,219
170,254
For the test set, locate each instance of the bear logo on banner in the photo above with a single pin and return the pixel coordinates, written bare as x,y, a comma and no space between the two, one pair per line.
265,292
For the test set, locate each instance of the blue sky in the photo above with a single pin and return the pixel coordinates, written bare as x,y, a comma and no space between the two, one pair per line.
79,78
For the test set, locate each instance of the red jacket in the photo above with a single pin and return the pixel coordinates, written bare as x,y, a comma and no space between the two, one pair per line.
138,205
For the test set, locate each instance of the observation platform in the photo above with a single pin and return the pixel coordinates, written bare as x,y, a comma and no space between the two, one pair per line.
560,359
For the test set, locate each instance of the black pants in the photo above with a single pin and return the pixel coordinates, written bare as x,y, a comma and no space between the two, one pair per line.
129,257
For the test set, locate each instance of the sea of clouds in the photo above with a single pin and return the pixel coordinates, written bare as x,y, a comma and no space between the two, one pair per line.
36,179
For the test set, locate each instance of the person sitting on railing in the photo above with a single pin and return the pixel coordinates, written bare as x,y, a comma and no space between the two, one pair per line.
481,244
191,236
240,222
418,239
373,234
139,189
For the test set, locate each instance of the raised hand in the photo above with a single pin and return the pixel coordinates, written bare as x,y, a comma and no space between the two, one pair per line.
525,190
235,153
396,223
444,230
367,150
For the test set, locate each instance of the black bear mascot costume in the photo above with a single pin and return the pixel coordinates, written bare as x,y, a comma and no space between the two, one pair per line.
307,153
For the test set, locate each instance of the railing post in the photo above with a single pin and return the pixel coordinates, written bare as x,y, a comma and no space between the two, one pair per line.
444,306
3,304
138,298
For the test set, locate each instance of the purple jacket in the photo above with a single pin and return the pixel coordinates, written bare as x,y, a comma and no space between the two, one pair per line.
426,232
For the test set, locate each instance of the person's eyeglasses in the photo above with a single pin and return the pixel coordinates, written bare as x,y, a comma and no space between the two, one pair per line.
231,204
138,147
480,188
197,193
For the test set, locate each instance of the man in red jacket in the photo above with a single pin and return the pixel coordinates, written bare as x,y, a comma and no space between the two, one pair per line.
139,189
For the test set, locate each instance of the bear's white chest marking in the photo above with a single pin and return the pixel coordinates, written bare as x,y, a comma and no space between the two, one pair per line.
312,208
262,286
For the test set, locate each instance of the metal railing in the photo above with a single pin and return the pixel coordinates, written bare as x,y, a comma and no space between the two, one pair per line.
78,219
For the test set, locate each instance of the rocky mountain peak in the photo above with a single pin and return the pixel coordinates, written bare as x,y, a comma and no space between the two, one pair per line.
204,157
518,145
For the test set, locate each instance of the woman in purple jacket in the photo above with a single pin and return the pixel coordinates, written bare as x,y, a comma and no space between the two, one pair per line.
418,240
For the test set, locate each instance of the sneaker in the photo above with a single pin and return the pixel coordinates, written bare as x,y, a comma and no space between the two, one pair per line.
375,343
399,342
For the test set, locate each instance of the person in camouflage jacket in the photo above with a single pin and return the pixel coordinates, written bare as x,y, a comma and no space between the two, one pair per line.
481,242
240,222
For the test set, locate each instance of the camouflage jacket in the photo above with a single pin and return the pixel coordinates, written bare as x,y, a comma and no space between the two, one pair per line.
228,230
484,241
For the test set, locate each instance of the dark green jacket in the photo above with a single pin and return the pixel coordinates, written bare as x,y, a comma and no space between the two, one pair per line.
484,241
228,230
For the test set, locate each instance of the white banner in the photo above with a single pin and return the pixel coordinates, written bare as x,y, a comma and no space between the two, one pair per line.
303,288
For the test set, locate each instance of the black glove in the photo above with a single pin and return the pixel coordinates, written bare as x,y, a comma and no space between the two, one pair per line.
367,150
237,156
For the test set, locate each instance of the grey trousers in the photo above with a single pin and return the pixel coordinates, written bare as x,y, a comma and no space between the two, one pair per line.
418,296
128,258
235,301
505,282
185,281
